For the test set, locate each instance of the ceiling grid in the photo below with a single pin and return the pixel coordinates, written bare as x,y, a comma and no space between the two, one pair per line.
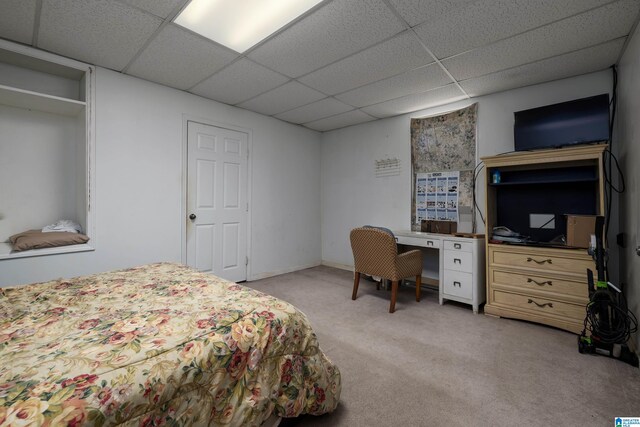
343,62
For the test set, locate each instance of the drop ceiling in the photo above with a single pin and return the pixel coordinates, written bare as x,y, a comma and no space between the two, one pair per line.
345,61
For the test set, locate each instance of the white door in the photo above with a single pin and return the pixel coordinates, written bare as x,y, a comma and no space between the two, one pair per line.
217,202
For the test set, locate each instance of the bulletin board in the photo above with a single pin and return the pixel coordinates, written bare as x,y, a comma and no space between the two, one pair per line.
443,146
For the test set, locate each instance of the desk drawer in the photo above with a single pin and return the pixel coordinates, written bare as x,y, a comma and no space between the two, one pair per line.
458,246
458,261
418,241
539,305
458,284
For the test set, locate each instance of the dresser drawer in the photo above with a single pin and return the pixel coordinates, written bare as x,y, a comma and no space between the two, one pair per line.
532,282
542,261
458,284
458,246
458,261
539,305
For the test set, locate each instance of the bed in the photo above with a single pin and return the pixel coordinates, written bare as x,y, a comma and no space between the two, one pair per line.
154,345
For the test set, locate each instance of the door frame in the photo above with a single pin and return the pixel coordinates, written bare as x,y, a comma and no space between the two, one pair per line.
186,118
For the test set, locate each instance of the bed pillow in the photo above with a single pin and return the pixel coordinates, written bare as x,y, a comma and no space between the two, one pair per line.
36,239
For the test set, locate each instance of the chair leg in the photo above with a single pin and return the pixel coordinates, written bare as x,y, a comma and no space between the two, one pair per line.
378,285
356,282
394,294
418,284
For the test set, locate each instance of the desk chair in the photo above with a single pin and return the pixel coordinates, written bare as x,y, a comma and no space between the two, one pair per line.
375,253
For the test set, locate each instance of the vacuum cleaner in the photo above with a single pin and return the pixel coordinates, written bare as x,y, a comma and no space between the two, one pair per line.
608,324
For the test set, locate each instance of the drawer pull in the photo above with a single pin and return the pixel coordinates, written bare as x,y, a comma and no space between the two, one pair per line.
530,301
457,283
457,246
457,261
548,282
540,262
429,242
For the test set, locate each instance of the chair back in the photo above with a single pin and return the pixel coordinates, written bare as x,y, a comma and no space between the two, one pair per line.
374,252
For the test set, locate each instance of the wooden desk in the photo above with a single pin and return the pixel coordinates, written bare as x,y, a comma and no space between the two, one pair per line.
461,264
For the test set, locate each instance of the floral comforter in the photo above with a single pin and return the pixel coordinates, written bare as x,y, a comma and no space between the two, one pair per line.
154,345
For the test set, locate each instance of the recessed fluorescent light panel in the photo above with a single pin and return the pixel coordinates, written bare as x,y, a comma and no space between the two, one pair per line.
241,24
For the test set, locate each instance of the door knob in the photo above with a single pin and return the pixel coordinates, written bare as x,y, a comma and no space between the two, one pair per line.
192,217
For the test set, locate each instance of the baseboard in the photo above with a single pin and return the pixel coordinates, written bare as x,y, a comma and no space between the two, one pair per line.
426,281
279,272
337,265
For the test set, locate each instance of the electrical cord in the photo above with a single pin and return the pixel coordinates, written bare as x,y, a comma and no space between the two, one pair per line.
621,322
546,223
612,187
476,172
608,162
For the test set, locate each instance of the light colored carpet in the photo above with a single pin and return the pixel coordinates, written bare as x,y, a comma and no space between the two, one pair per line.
432,365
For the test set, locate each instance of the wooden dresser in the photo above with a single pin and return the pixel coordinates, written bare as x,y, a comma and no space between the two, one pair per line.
538,284
534,282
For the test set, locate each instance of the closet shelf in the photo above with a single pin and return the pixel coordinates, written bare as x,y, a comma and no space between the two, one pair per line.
5,251
21,98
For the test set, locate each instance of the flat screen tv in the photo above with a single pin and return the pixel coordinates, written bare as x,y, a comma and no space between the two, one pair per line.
581,121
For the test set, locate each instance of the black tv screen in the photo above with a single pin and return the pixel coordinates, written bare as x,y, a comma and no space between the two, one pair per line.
581,121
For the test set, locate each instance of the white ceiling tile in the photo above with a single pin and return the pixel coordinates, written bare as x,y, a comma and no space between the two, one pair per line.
314,111
584,30
16,20
415,102
238,82
417,11
106,33
488,21
341,120
161,8
332,32
580,62
359,51
419,80
394,56
180,59
283,98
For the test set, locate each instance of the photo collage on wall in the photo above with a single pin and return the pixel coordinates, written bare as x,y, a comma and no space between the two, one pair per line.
437,196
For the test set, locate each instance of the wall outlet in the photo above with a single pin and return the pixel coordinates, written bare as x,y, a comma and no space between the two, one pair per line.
542,221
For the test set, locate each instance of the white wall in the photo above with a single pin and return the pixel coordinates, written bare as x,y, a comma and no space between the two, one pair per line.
352,196
139,182
36,148
628,149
